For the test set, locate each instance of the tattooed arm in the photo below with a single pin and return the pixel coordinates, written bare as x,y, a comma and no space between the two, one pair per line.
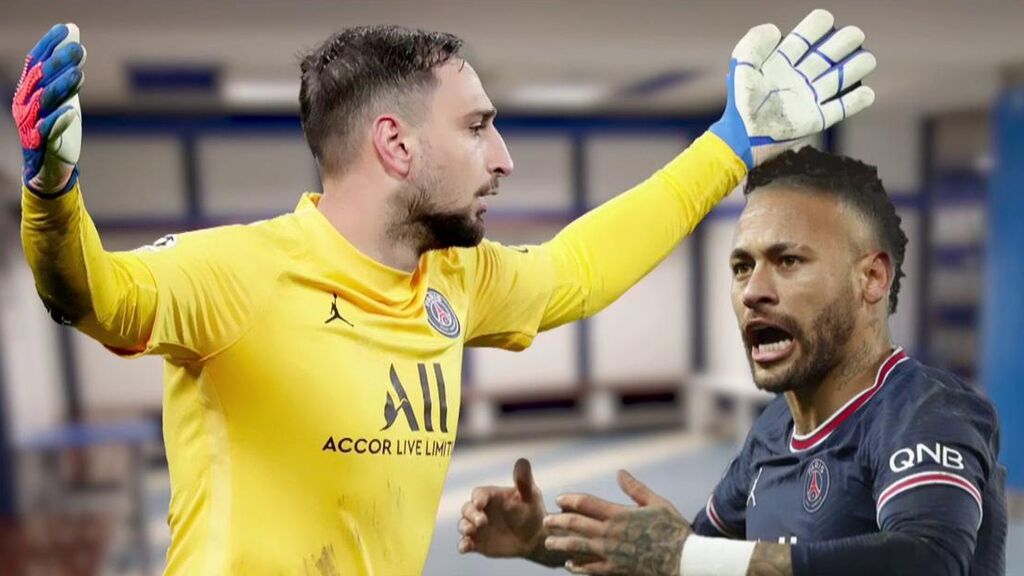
770,560
606,538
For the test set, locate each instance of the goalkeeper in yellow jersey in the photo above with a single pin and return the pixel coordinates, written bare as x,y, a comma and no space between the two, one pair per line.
313,360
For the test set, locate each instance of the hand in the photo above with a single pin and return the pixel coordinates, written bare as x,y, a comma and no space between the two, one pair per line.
606,538
47,112
505,522
782,93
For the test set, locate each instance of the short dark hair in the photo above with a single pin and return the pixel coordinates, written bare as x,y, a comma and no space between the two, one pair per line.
355,69
855,182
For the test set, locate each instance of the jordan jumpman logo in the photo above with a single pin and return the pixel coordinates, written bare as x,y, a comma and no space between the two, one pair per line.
335,315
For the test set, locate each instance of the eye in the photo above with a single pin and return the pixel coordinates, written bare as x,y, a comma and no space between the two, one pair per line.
790,261
741,268
477,129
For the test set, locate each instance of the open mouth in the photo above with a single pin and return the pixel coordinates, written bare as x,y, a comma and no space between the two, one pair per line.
768,342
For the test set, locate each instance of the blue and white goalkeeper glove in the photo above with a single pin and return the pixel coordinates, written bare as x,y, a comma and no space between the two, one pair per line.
782,93
47,112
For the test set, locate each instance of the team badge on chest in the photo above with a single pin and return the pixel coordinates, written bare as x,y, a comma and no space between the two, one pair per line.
440,314
816,484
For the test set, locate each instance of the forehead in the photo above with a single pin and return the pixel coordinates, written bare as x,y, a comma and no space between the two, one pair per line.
459,88
774,215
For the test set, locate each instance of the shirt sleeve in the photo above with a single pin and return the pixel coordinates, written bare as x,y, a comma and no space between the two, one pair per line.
518,292
725,513
941,444
931,459
185,297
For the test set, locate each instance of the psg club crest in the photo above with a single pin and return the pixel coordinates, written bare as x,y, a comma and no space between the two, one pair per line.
816,484
440,314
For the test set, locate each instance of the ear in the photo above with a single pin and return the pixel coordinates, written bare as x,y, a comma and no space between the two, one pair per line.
876,277
391,142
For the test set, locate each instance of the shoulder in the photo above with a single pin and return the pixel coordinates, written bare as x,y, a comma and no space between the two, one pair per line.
924,401
918,390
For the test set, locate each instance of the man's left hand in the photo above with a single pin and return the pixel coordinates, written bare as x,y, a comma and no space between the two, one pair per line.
642,540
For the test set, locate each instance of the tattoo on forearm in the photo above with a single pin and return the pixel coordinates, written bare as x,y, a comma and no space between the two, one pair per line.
651,542
770,560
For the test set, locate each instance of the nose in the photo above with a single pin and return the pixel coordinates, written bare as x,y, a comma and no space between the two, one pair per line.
500,163
760,289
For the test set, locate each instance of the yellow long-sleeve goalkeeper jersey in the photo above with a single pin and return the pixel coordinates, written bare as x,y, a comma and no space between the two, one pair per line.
312,394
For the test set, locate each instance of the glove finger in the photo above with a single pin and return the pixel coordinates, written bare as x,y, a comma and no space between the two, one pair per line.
63,131
60,89
757,44
844,74
847,105
62,59
49,42
829,52
807,33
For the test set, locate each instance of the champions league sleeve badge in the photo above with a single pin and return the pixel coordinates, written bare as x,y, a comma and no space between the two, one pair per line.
816,484
440,314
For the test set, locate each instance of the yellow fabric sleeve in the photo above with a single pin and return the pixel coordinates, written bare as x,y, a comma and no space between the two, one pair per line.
185,300
602,254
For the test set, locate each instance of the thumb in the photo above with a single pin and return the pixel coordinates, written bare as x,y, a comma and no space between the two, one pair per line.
522,474
755,47
636,489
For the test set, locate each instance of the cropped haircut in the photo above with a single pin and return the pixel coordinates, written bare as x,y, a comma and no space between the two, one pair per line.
357,72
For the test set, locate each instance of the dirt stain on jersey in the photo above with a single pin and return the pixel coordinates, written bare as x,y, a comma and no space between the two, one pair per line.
326,565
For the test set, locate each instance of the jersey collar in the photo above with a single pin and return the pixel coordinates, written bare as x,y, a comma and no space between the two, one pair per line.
392,289
799,443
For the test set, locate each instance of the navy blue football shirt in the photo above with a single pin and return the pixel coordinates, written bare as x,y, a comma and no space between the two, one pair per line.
914,453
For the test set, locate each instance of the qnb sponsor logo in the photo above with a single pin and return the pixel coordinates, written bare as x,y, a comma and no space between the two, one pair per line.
400,412
906,458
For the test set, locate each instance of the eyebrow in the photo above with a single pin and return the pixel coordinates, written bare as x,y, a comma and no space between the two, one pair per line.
772,251
485,114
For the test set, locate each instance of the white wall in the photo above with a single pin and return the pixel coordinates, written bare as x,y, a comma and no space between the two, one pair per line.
133,176
646,335
33,397
257,176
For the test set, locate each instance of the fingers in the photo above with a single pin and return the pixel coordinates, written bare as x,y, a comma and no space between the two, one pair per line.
64,57
807,33
473,512
50,41
61,89
757,45
522,474
574,545
467,527
844,74
847,105
596,567
831,51
466,546
588,505
577,524
636,489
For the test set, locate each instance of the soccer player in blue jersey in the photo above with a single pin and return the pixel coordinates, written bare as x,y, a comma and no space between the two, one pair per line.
868,462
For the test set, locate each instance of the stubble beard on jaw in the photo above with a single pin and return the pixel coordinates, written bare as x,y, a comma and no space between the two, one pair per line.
819,355
420,223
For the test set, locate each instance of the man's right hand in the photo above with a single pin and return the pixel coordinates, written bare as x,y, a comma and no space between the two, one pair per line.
47,112
505,522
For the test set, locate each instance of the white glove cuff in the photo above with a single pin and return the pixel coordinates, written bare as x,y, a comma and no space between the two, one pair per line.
715,557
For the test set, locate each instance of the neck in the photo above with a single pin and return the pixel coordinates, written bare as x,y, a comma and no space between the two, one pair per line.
813,405
365,219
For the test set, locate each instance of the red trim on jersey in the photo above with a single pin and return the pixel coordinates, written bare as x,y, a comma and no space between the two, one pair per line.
926,479
800,443
716,521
